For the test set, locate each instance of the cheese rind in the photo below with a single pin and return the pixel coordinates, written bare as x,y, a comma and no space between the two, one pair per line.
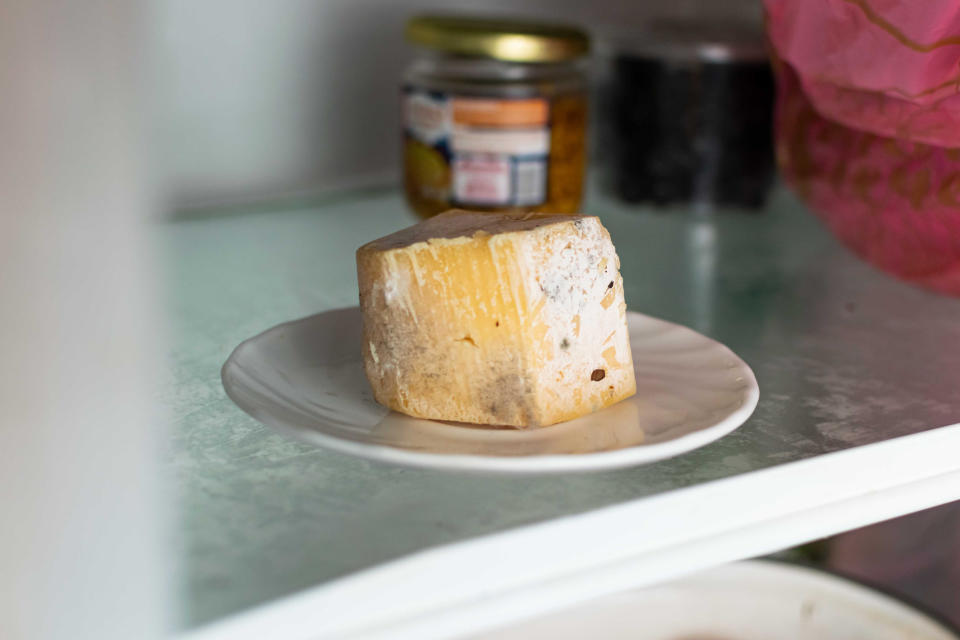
495,319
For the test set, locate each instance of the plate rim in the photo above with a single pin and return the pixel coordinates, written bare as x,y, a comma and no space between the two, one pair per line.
631,456
782,574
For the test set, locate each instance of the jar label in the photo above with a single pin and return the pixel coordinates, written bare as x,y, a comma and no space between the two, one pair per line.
477,151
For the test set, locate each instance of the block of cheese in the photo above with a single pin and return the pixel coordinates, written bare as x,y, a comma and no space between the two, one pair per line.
497,319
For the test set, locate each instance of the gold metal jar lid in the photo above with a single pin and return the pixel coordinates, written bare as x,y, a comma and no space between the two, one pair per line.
509,40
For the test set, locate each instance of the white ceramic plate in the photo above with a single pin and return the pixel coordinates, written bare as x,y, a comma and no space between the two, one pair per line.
306,377
741,601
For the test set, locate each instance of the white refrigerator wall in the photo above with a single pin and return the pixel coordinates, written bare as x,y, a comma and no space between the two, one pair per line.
259,99
82,522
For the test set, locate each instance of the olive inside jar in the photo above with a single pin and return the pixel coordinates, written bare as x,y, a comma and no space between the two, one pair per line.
494,116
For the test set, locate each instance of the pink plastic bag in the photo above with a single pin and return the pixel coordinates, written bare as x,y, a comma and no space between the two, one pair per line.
868,126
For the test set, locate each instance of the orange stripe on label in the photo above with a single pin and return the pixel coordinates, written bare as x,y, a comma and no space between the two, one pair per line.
500,113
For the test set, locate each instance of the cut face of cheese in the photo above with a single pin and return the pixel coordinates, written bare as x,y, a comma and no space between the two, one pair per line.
499,319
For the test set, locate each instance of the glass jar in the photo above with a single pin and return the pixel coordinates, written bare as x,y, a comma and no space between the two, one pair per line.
691,116
494,116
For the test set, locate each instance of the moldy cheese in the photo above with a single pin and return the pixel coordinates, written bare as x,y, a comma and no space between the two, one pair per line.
495,318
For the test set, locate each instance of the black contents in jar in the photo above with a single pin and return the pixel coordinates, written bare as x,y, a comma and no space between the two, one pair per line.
696,131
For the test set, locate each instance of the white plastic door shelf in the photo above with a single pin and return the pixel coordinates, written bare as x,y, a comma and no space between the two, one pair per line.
515,575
